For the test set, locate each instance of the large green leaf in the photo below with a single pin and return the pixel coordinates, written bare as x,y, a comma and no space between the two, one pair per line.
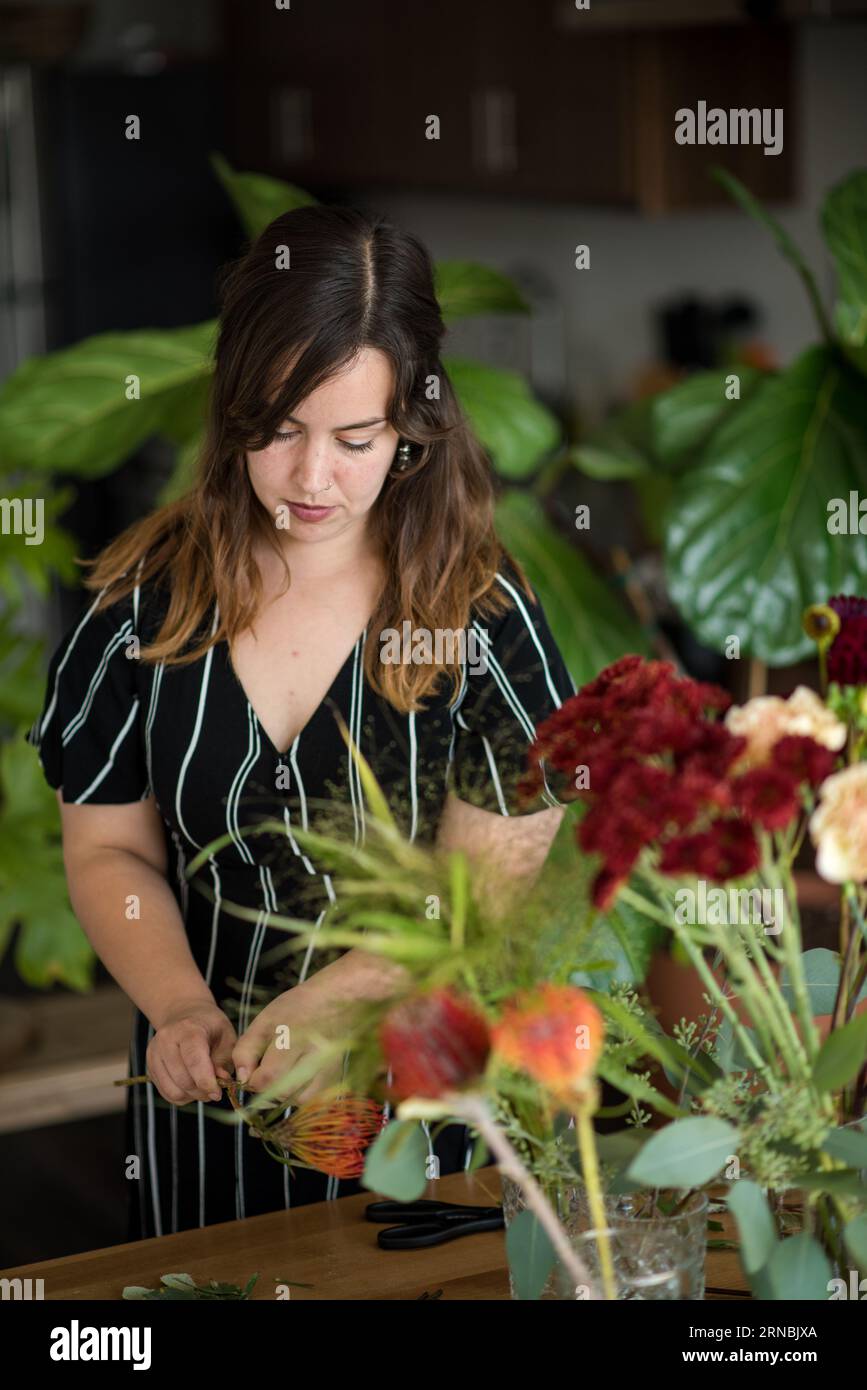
687,1153
68,412
27,567
844,222
821,969
747,544
683,418
51,946
588,621
513,426
848,1144
620,448
466,287
257,198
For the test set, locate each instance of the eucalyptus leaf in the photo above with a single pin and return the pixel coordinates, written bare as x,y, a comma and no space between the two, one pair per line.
799,1270
747,545
396,1162
687,1153
748,1204
841,1055
849,1145
530,1254
822,973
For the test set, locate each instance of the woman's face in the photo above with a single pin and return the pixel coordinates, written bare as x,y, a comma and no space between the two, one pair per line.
338,435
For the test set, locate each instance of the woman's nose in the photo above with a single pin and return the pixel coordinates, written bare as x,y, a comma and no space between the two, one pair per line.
313,472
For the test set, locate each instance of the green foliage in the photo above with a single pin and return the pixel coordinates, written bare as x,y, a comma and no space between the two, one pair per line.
687,1153
514,427
591,626
51,947
747,544
258,199
841,1055
183,1288
464,288
396,1161
530,1254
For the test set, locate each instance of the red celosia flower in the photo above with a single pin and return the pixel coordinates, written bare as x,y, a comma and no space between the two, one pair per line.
803,758
727,850
847,655
434,1043
554,1033
767,795
330,1135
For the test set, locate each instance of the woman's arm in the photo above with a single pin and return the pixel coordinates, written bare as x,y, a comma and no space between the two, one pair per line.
503,848
115,862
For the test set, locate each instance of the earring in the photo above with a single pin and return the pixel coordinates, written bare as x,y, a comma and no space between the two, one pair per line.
403,454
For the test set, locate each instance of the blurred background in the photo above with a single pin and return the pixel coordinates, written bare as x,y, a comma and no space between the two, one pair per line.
602,291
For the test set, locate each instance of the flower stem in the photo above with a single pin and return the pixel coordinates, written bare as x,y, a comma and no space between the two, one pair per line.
590,1165
473,1109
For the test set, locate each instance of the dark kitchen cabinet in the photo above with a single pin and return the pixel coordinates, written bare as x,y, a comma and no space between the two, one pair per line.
340,94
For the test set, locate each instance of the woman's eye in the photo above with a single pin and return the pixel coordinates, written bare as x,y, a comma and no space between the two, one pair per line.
285,434
357,448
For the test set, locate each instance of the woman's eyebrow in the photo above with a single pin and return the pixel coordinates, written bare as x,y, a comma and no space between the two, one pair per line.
359,425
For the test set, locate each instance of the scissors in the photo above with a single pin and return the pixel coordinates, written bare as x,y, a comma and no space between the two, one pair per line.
430,1223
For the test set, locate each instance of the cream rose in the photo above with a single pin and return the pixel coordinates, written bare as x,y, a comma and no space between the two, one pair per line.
768,718
838,826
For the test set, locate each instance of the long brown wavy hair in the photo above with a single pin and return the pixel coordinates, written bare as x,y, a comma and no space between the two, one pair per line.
355,282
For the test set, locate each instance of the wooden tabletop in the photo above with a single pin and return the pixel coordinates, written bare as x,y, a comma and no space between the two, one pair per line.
327,1245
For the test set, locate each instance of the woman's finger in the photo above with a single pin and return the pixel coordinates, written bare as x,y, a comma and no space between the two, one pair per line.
247,1053
197,1060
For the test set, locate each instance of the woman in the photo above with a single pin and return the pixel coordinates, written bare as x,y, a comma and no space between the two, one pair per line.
340,501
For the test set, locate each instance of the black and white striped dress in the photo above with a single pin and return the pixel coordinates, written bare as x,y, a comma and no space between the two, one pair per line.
116,730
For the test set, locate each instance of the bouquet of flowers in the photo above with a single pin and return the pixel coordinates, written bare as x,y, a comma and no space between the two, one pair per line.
696,811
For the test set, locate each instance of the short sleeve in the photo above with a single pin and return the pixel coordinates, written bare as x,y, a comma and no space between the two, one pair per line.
88,735
517,680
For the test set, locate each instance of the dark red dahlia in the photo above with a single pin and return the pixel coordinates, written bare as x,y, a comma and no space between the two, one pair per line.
727,850
768,795
847,655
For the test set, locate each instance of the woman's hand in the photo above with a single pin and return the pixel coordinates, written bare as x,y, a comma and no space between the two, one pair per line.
280,1035
191,1047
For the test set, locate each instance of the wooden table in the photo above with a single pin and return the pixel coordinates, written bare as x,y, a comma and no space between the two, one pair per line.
328,1245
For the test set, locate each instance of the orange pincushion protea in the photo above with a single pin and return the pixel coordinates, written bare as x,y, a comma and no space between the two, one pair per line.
554,1033
331,1134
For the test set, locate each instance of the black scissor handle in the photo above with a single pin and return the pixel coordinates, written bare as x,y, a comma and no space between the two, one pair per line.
421,1234
424,1210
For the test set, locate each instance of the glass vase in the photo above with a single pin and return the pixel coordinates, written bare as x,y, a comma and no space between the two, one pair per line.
654,1256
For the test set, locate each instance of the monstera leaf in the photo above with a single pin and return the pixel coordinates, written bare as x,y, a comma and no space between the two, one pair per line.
69,411
748,545
589,623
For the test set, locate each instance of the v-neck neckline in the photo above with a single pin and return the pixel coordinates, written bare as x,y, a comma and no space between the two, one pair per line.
325,698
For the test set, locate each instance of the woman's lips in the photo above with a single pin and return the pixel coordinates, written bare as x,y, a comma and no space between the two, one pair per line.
305,513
